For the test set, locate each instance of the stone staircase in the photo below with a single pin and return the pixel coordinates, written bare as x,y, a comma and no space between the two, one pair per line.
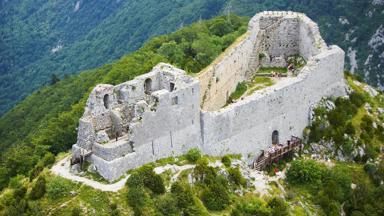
265,160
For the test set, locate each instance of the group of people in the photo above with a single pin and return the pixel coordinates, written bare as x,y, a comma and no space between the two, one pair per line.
291,70
275,74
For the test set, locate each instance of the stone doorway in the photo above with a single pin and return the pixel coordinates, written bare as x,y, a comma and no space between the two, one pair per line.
148,86
275,137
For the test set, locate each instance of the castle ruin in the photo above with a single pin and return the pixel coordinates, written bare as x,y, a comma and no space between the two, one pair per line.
166,112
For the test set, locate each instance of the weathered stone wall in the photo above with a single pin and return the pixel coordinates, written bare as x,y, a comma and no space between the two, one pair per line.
219,80
246,127
153,125
276,35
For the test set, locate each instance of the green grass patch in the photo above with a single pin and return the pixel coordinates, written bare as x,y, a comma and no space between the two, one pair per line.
259,83
241,88
282,70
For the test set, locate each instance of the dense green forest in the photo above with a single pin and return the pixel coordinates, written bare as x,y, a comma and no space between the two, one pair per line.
40,39
46,121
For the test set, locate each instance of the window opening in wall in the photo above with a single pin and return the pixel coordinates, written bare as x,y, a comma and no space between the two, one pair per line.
171,86
275,137
175,100
106,101
148,86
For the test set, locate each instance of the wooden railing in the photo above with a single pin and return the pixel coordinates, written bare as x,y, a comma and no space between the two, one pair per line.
266,159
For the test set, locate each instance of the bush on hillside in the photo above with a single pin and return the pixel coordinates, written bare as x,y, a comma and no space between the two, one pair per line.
236,177
145,176
305,172
357,99
36,171
215,197
114,210
183,195
38,189
48,159
252,207
193,155
279,207
16,182
58,188
76,211
136,197
167,205
226,160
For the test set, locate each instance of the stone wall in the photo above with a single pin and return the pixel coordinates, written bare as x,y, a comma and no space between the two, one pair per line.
276,36
152,125
246,127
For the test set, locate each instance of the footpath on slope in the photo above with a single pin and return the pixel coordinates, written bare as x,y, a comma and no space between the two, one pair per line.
62,168
258,179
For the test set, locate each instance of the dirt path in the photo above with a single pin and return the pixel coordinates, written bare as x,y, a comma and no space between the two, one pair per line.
62,168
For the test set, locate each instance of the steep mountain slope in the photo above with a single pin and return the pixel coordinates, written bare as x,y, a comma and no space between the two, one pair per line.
40,38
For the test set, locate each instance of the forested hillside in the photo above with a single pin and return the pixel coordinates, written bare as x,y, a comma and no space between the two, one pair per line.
46,121
40,39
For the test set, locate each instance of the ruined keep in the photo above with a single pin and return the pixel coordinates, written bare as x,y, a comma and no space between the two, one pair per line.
166,112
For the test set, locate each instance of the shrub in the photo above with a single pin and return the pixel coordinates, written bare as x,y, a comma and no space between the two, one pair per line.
226,160
19,193
367,125
349,129
250,208
155,183
236,177
145,176
201,168
136,197
305,171
76,211
36,171
114,210
183,195
216,197
58,187
279,206
167,205
16,182
338,187
135,180
48,159
370,168
193,155
357,99
330,207
38,189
